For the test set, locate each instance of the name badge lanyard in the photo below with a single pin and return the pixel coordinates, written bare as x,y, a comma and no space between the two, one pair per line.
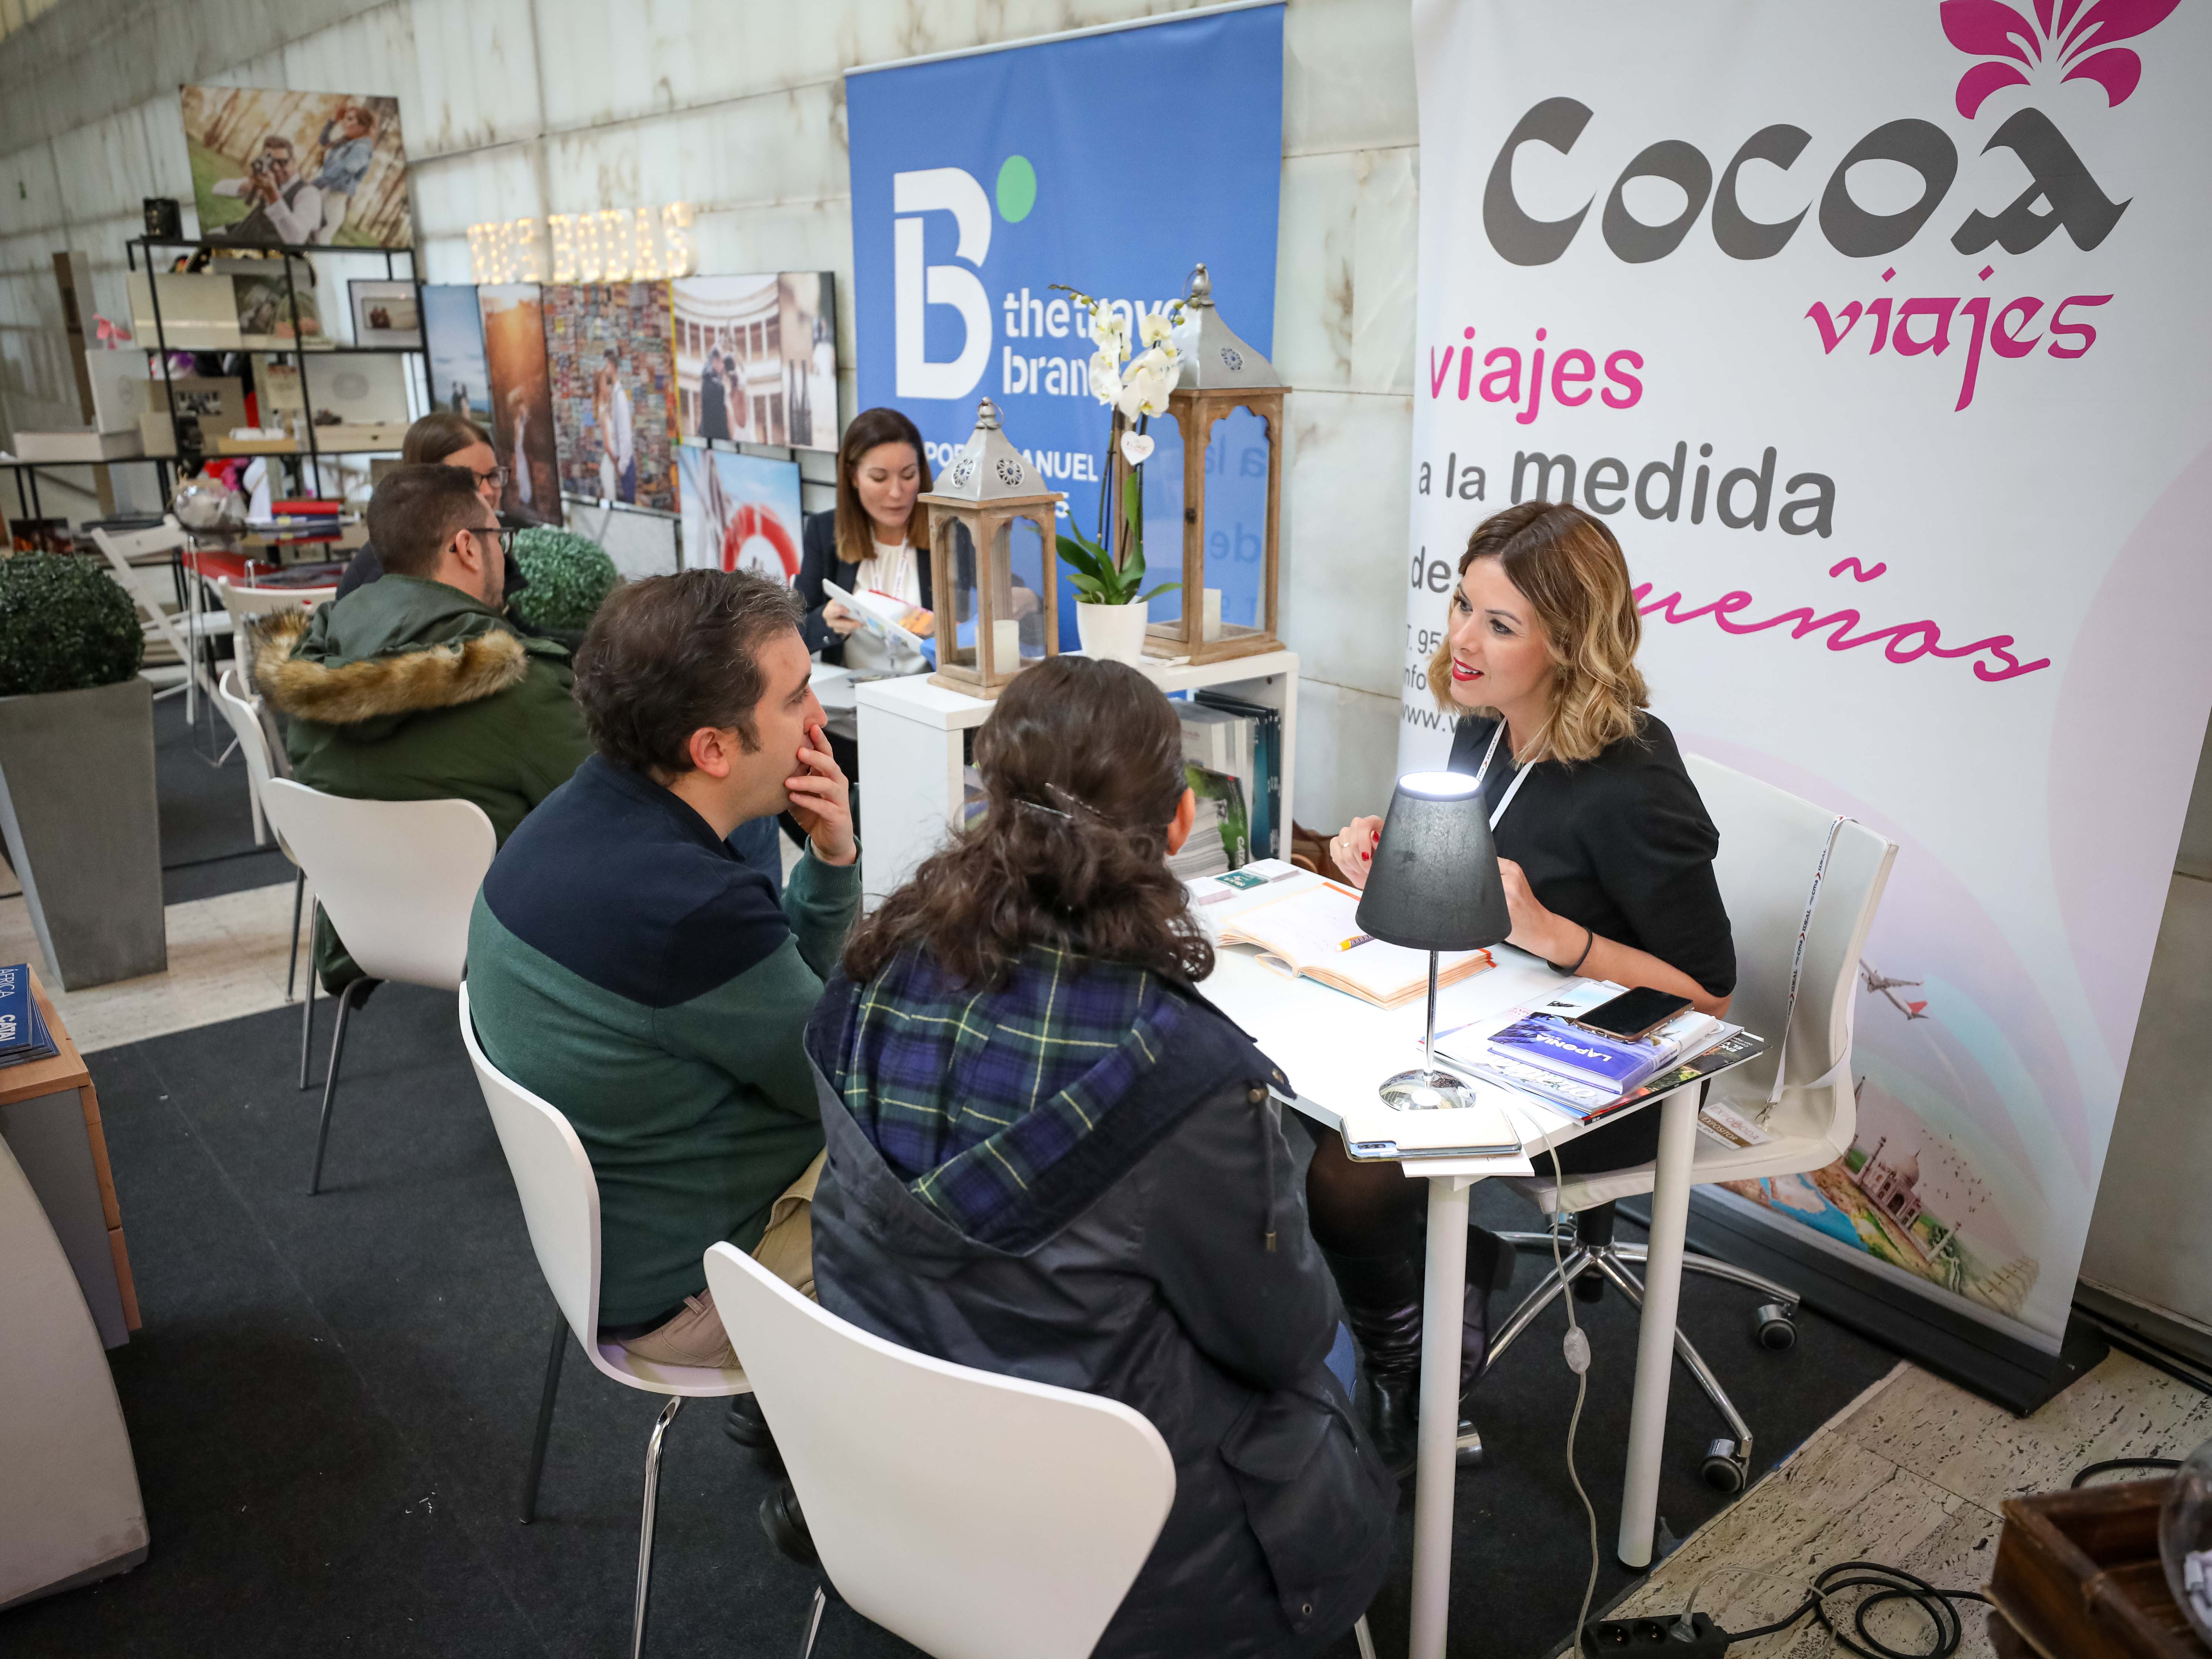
1519,777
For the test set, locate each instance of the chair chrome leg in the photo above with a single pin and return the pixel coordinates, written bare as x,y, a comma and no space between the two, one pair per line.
307,1004
292,967
1712,1268
813,1624
1632,1288
645,1530
330,1083
544,1416
1360,1634
1575,1264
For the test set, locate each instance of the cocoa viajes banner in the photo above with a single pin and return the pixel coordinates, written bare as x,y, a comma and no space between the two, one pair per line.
1876,331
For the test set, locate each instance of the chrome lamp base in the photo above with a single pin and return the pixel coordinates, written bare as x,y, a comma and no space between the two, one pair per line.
1425,1090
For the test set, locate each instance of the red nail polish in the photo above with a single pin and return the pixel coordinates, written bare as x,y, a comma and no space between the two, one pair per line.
1367,858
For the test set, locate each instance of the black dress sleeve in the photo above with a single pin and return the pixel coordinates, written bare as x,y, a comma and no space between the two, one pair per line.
817,562
1651,844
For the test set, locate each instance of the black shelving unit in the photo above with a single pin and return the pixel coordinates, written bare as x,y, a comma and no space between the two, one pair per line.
313,452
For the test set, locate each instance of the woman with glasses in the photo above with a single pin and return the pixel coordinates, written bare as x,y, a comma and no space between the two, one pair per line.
443,438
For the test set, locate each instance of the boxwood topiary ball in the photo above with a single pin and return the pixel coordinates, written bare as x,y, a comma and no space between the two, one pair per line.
569,577
65,626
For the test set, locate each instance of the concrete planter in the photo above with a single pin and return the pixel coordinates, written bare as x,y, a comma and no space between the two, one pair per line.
82,830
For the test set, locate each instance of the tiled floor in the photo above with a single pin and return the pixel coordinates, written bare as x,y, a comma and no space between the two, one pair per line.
1913,1475
226,957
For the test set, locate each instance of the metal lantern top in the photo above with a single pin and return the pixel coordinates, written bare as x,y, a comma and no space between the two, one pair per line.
1219,361
988,469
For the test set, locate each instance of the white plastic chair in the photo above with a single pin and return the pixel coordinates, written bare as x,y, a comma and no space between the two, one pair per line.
182,632
971,1514
244,713
561,1207
397,879
1772,844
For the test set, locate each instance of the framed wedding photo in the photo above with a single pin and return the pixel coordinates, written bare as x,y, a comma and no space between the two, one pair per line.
385,313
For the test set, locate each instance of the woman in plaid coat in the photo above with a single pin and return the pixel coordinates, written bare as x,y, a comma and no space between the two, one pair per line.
1049,1157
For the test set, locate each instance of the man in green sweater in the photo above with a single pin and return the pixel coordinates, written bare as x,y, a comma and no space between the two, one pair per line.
417,686
626,965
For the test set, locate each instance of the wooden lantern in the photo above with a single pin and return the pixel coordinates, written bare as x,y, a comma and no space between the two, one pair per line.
1232,517
991,522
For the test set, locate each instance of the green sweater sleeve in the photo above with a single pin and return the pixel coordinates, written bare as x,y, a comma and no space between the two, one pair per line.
820,902
753,1026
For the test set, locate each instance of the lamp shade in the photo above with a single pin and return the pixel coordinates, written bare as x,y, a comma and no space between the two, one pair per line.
1435,884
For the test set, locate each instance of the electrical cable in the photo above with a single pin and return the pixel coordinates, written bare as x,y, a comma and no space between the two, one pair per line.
1888,1584
1578,1361
2082,1479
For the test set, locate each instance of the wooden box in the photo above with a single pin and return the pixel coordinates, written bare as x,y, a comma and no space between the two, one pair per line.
2078,1575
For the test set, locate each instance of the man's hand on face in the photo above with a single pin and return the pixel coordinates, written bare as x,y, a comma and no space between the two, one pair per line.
821,801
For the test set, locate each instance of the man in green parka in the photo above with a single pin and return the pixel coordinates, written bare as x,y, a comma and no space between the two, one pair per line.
417,687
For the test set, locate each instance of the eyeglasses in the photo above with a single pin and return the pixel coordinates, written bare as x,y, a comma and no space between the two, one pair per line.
498,476
500,533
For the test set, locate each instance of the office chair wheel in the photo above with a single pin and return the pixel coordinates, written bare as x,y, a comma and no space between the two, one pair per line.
1724,1467
1590,1288
1466,1449
1775,1324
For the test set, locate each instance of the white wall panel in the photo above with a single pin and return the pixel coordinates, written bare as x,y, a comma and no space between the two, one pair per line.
1348,75
1345,270
1348,755
450,195
476,77
374,52
1345,519
778,147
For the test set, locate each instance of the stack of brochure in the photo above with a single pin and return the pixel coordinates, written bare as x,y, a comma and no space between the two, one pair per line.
1538,1053
23,1034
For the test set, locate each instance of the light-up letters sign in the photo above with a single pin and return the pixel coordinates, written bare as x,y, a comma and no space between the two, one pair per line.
617,244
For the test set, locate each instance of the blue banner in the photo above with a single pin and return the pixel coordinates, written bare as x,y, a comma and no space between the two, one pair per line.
1110,162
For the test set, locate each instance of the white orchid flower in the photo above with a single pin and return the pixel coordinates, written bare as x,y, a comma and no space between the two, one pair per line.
1155,328
1145,385
1105,378
1111,332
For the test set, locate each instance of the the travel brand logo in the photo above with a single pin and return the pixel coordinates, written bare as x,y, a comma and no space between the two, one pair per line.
916,285
1031,313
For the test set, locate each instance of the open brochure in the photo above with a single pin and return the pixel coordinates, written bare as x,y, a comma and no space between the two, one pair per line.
1315,932
884,617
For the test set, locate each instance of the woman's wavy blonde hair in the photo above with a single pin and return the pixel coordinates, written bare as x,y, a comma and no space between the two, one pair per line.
1569,566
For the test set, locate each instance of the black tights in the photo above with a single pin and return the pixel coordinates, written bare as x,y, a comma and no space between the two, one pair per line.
1372,1209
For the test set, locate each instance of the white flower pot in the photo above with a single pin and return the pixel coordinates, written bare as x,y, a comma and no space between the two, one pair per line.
1115,632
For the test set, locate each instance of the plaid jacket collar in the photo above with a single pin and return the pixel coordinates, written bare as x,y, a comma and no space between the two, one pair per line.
1006,1112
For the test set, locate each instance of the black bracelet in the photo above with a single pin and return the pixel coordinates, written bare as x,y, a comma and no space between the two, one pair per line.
1589,944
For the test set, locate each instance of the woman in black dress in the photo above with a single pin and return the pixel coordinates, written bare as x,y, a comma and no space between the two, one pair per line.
1606,854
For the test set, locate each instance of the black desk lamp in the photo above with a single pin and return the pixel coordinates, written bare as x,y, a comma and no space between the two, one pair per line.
1434,887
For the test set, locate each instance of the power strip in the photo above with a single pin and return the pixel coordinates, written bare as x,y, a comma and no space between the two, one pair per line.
1664,1638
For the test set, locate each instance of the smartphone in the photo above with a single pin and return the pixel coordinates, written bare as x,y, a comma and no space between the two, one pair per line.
1632,1015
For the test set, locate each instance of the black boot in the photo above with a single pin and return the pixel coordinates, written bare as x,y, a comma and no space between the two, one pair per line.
1489,1269
1383,1304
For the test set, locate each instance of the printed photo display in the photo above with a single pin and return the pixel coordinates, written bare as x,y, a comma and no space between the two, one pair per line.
756,359
267,304
300,168
521,399
453,340
740,513
614,391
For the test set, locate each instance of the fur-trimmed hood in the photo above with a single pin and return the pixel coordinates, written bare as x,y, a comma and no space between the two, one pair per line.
399,647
